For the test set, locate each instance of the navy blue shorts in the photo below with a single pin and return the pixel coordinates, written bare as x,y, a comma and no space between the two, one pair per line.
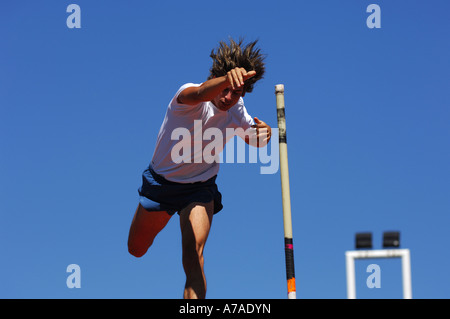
159,194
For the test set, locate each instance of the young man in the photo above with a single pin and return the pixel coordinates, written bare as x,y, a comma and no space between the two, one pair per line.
186,183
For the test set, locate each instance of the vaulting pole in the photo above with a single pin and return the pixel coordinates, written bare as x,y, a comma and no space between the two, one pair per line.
285,193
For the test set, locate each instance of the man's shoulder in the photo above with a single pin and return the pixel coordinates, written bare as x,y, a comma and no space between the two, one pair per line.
185,86
181,89
176,107
188,84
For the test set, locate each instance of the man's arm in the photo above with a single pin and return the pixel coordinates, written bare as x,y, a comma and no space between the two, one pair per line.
213,87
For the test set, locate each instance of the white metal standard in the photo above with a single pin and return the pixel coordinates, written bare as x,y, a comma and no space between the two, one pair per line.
404,254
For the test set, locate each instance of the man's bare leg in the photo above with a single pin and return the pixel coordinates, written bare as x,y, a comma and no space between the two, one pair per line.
144,228
195,223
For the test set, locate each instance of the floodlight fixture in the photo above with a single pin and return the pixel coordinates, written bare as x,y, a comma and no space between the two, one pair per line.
363,240
391,239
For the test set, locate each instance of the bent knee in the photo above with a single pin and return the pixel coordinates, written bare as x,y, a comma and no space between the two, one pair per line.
137,251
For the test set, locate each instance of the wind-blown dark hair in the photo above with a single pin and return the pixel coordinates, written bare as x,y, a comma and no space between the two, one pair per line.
227,57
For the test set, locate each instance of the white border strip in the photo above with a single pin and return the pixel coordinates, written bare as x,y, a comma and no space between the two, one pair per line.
404,254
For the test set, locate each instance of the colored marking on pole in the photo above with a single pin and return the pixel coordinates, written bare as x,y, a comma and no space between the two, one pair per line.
282,138
289,252
291,285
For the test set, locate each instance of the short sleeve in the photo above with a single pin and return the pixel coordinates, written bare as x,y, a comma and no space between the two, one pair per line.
179,107
244,120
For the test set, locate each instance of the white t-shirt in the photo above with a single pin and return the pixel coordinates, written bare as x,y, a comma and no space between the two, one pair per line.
188,165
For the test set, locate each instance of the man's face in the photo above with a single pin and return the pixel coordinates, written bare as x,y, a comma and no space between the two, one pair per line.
229,97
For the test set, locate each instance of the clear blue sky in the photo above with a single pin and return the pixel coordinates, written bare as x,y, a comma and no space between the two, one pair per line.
368,113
